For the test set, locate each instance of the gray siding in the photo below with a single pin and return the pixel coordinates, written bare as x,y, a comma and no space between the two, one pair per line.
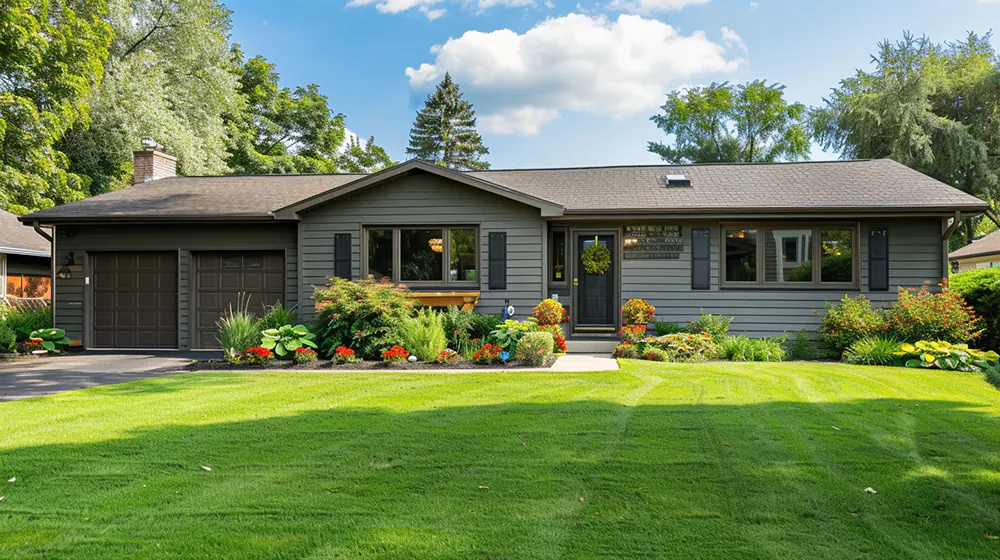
427,200
70,298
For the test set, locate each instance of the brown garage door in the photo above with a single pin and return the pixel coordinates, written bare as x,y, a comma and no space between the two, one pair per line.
222,277
135,300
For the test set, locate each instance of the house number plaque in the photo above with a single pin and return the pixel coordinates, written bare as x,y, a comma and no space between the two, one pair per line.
653,242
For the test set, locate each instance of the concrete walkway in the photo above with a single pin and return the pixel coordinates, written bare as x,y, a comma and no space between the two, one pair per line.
585,362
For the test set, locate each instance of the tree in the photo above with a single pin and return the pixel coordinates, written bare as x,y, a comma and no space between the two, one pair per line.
367,158
281,130
169,77
932,107
52,55
445,130
749,122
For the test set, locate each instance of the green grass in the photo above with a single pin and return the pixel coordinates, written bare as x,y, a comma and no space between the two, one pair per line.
681,461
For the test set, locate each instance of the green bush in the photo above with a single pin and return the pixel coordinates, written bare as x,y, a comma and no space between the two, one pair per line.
361,315
24,321
715,326
925,315
993,375
483,325
239,329
52,339
801,348
684,347
423,335
627,351
286,339
849,321
535,348
7,338
981,290
663,328
873,351
743,349
277,316
655,354
458,327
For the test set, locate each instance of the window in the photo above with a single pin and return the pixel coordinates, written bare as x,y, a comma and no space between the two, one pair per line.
558,255
28,286
787,255
418,255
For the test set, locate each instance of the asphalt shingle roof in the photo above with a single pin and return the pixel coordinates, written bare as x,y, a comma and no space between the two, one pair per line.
16,237
988,245
842,185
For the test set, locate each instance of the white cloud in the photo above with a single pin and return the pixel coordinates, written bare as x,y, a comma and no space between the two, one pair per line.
730,38
432,14
646,7
754,6
397,6
520,82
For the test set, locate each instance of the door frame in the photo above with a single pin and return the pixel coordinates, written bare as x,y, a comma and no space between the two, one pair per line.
616,260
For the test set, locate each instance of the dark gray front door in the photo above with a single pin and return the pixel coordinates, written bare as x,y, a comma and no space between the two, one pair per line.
596,292
222,277
135,300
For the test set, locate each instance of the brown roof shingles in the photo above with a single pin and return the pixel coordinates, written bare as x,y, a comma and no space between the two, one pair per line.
989,245
16,238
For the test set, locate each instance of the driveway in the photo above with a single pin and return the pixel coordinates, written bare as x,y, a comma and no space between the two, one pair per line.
45,376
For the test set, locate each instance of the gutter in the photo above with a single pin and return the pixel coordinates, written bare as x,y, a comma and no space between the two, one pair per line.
40,231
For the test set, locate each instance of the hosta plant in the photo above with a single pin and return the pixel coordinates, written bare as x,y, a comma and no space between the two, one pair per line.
944,355
287,339
51,339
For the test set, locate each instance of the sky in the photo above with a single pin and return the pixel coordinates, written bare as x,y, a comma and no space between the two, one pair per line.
559,83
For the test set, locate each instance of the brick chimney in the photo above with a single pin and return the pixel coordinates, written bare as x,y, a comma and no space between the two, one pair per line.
150,164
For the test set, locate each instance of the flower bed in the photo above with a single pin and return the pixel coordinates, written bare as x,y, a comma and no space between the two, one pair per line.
218,364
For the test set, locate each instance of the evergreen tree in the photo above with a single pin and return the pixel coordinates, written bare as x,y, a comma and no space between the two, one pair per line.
445,131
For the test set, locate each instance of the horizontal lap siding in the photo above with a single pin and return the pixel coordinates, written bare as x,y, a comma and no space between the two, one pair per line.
915,254
425,200
185,238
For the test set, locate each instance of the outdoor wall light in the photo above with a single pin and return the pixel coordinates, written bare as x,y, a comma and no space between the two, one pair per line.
65,272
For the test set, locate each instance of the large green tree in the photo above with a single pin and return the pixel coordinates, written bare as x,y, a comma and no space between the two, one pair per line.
52,54
445,130
749,122
363,158
168,77
933,107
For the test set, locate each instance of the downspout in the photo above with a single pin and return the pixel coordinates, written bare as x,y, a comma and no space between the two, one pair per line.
43,233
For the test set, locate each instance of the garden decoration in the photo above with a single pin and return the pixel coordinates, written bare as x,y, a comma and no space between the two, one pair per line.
596,258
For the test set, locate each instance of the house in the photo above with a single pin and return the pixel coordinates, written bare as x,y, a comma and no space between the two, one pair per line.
983,253
154,266
25,261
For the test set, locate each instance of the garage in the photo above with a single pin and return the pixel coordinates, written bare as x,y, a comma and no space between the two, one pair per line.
221,278
135,300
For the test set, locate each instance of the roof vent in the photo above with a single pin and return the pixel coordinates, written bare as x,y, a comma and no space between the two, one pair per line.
677,181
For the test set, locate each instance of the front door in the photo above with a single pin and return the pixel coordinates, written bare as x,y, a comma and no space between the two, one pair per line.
596,292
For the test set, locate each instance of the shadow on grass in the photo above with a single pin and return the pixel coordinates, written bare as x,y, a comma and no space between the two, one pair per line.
516,480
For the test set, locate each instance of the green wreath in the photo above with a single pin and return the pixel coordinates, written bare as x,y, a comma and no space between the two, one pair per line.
596,259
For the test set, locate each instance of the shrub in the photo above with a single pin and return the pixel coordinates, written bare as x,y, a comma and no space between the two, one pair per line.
626,351
287,339
484,325
535,348
993,375
684,347
549,312
303,355
654,354
849,321
637,312
51,339
344,355
944,355
488,354
925,315
423,334
395,354
7,338
360,314
873,351
557,337
632,334
509,332
981,290
715,326
239,329
743,349
24,321
801,348
277,315
663,328
447,356
458,327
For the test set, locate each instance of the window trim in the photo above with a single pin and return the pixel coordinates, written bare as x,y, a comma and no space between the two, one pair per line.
817,243
552,257
445,254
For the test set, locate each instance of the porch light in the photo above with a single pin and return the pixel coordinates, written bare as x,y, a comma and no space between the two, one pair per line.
437,245
65,272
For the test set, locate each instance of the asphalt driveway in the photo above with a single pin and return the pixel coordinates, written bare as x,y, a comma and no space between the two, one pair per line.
45,376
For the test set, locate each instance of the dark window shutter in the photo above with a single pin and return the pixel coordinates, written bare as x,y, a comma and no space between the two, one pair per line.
878,260
498,260
342,255
701,242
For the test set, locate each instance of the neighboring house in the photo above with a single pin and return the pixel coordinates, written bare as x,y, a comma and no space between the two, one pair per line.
156,264
25,263
983,253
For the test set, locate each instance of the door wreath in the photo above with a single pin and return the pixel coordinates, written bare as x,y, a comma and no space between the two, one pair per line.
596,258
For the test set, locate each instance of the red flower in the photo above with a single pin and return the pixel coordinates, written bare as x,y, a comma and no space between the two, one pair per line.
259,352
395,354
304,350
343,351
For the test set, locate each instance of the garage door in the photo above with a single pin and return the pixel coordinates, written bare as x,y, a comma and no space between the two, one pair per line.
135,300
222,277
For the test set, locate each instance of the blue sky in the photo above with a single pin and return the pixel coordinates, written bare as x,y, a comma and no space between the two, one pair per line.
567,83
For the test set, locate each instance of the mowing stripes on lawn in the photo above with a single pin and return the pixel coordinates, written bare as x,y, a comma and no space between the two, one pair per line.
655,460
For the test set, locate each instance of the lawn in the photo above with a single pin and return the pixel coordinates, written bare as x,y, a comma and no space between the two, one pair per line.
656,460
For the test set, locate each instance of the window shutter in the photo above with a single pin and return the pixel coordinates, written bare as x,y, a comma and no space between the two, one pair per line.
878,260
498,260
342,255
701,242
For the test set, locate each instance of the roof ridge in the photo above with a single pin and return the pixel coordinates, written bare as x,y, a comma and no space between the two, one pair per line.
670,165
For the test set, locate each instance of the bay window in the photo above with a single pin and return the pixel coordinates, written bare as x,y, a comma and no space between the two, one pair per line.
790,255
423,255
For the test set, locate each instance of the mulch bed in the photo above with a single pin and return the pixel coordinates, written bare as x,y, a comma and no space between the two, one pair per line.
219,364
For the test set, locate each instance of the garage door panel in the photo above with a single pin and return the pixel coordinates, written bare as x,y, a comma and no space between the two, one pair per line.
226,278
135,300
